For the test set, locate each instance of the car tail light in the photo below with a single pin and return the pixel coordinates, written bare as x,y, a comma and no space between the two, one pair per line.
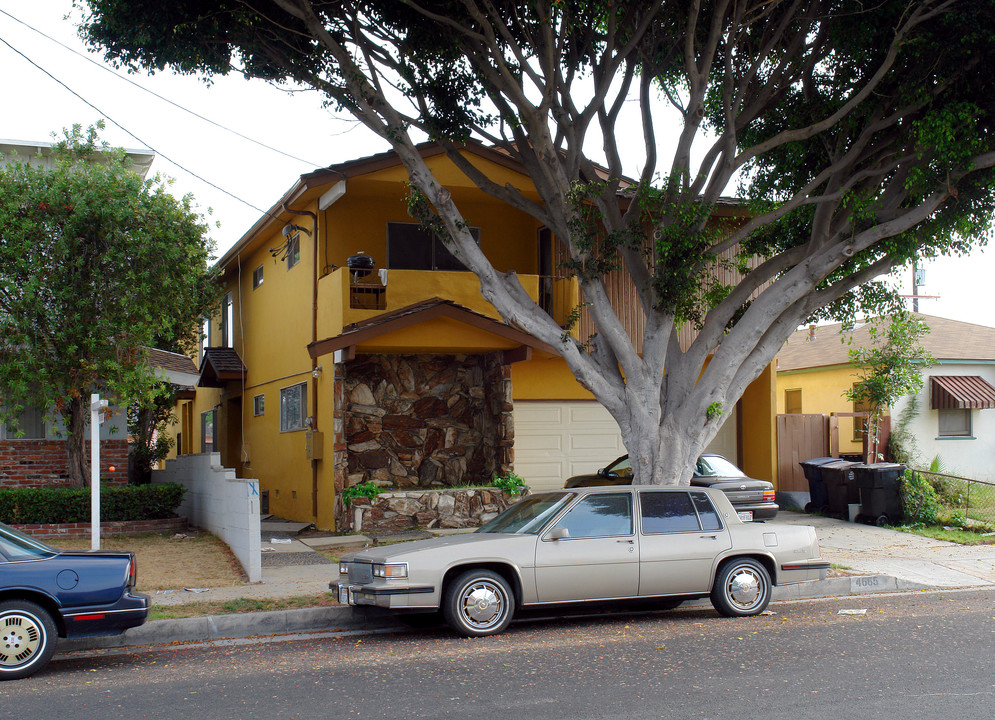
768,496
132,572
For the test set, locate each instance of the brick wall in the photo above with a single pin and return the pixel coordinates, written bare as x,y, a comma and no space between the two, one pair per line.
134,527
36,463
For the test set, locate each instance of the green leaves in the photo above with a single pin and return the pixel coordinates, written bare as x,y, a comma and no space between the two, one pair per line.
95,263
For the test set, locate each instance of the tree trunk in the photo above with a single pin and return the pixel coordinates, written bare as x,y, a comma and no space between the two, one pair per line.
78,465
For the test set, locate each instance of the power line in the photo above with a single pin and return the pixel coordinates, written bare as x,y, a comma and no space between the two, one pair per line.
157,95
148,145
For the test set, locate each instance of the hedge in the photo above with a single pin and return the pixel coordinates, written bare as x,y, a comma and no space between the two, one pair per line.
72,505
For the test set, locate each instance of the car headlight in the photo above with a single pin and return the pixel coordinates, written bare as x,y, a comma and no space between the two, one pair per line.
390,570
343,568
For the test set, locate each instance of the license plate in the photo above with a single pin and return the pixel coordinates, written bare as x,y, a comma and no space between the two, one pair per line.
746,515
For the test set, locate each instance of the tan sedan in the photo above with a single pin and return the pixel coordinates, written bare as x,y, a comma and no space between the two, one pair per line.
583,545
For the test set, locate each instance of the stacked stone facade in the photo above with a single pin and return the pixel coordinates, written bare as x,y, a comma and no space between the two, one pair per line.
37,463
451,508
424,421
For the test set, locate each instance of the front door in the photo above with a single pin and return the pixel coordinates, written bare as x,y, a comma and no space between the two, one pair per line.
599,557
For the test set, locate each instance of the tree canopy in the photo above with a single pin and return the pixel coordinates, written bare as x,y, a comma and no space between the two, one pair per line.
96,264
857,136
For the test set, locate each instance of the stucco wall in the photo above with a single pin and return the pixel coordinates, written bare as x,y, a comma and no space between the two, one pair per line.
971,457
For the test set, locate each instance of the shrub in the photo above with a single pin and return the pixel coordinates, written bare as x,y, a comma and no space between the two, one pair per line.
919,499
510,483
366,489
45,505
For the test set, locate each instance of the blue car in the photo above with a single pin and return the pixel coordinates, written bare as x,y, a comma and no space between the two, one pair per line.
47,593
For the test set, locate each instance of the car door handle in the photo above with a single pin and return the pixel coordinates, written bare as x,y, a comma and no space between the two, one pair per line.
624,541
709,537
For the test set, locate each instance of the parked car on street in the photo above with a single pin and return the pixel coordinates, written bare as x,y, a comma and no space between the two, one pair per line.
587,544
47,593
753,499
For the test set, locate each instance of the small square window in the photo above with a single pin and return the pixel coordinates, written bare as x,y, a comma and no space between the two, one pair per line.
293,407
793,401
293,250
258,404
257,277
955,422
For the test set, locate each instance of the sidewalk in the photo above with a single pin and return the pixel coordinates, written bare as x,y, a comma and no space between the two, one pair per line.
885,560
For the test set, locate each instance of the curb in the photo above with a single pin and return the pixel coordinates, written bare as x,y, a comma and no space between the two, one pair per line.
330,619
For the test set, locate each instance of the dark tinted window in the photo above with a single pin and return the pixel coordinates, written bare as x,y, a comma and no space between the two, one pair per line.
600,516
706,512
665,512
411,247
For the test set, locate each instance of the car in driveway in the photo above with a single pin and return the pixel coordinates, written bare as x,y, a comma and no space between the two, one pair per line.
582,545
47,593
753,499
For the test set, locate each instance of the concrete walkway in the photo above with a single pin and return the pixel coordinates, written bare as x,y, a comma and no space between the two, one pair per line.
882,560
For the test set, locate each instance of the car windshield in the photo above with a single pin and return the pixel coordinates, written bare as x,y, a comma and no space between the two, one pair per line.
15,545
717,466
528,516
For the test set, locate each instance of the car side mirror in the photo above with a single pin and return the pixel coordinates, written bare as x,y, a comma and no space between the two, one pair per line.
559,533
602,472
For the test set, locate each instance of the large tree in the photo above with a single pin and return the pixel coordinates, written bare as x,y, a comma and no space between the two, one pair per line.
860,135
96,264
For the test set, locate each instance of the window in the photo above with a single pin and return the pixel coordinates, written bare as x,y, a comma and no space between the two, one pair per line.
257,277
208,426
668,512
955,422
600,516
293,407
412,247
29,424
258,404
793,401
205,336
227,322
293,250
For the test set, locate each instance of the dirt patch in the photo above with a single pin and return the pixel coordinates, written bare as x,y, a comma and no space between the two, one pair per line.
169,562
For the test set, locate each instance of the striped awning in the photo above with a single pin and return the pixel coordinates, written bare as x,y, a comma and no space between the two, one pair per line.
957,392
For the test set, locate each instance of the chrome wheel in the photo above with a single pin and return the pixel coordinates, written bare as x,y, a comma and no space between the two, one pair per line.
479,602
27,639
742,587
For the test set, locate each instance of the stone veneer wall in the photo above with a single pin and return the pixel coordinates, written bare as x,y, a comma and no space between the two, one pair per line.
37,463
426,420
449,508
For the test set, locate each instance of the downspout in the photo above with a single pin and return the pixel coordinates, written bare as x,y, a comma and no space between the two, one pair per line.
314,337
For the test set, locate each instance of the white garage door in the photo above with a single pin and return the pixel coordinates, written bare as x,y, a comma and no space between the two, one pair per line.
557,440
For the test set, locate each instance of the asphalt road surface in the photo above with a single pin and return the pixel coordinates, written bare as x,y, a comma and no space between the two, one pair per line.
913,655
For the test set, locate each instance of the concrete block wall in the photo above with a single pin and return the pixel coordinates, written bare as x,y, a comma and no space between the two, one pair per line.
218,501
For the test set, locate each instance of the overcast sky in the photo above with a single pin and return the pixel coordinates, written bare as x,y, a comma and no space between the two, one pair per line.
237,178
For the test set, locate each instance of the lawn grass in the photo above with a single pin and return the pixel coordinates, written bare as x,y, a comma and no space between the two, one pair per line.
949,534
168,562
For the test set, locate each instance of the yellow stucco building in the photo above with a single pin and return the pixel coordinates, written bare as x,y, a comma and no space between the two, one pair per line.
316,376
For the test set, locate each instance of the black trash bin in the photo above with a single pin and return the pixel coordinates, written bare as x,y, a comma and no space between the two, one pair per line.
880,489
840,488
818,495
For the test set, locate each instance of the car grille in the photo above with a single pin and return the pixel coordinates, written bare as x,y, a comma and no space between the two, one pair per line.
360,572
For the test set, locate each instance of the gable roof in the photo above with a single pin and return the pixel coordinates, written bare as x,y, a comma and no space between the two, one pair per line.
946,340
401,319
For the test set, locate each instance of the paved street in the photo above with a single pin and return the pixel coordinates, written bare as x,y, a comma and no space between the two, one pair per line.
911,655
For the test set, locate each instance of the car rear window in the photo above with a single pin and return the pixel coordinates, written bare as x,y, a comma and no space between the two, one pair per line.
15,545
670,512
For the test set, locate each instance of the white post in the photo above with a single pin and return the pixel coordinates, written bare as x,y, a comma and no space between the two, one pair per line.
96,405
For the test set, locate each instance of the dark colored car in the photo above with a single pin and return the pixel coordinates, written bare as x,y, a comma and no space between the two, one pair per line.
47,593
752,499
